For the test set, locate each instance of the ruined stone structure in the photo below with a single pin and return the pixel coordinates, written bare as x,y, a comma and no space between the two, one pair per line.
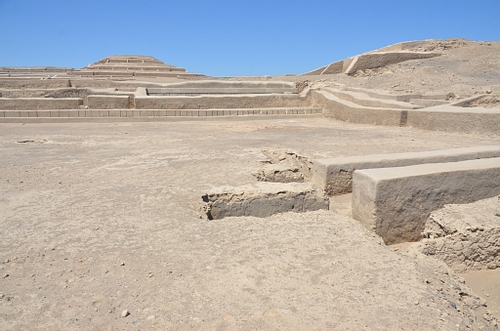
393,54
132,66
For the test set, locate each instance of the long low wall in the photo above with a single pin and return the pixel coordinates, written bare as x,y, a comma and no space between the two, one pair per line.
225,84
11,116
439,118
108,101
365,100
342,110
456,119
220,101
334,175
225,90
396,202
39,103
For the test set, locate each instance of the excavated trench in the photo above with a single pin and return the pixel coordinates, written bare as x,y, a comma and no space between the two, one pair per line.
259,203
456,234
282,188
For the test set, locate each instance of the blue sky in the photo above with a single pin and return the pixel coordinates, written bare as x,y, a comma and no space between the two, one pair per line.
230,38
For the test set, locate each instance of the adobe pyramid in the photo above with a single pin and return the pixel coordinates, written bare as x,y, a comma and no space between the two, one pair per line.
130,66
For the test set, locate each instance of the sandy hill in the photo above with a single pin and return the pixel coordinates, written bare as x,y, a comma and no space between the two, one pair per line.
462,67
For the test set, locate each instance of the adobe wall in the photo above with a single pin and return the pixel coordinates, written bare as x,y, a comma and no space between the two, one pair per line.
334,175
39,103
108,102
396,202
220,101
456,119
338,109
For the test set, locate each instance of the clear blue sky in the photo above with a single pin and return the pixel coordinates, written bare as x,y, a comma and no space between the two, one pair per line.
230,37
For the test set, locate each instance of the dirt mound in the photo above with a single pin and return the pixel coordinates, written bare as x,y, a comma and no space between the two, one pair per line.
438,45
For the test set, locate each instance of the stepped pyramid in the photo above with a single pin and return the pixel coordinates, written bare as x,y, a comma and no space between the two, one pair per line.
130,66
33,72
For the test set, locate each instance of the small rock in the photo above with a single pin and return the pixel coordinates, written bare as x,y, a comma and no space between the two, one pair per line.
416,303
6,275
497,213
125,313
488,91
122,264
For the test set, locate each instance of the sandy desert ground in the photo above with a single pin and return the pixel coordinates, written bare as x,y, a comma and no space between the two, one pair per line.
102,218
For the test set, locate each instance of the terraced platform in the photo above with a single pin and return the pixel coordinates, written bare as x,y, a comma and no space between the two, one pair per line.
131,66
110,115
436,112
430,111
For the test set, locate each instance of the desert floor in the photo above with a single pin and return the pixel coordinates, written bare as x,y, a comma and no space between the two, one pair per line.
101,218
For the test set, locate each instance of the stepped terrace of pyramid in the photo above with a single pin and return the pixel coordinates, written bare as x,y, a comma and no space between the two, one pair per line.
131,65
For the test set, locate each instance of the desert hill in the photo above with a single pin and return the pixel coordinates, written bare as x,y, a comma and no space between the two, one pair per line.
463,67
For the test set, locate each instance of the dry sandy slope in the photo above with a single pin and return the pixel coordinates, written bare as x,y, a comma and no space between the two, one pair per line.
99,218
465,68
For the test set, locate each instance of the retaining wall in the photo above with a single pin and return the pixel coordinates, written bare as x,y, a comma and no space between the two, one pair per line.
396,202
334,175
342,110
108,102
39,103
220,101
456,119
